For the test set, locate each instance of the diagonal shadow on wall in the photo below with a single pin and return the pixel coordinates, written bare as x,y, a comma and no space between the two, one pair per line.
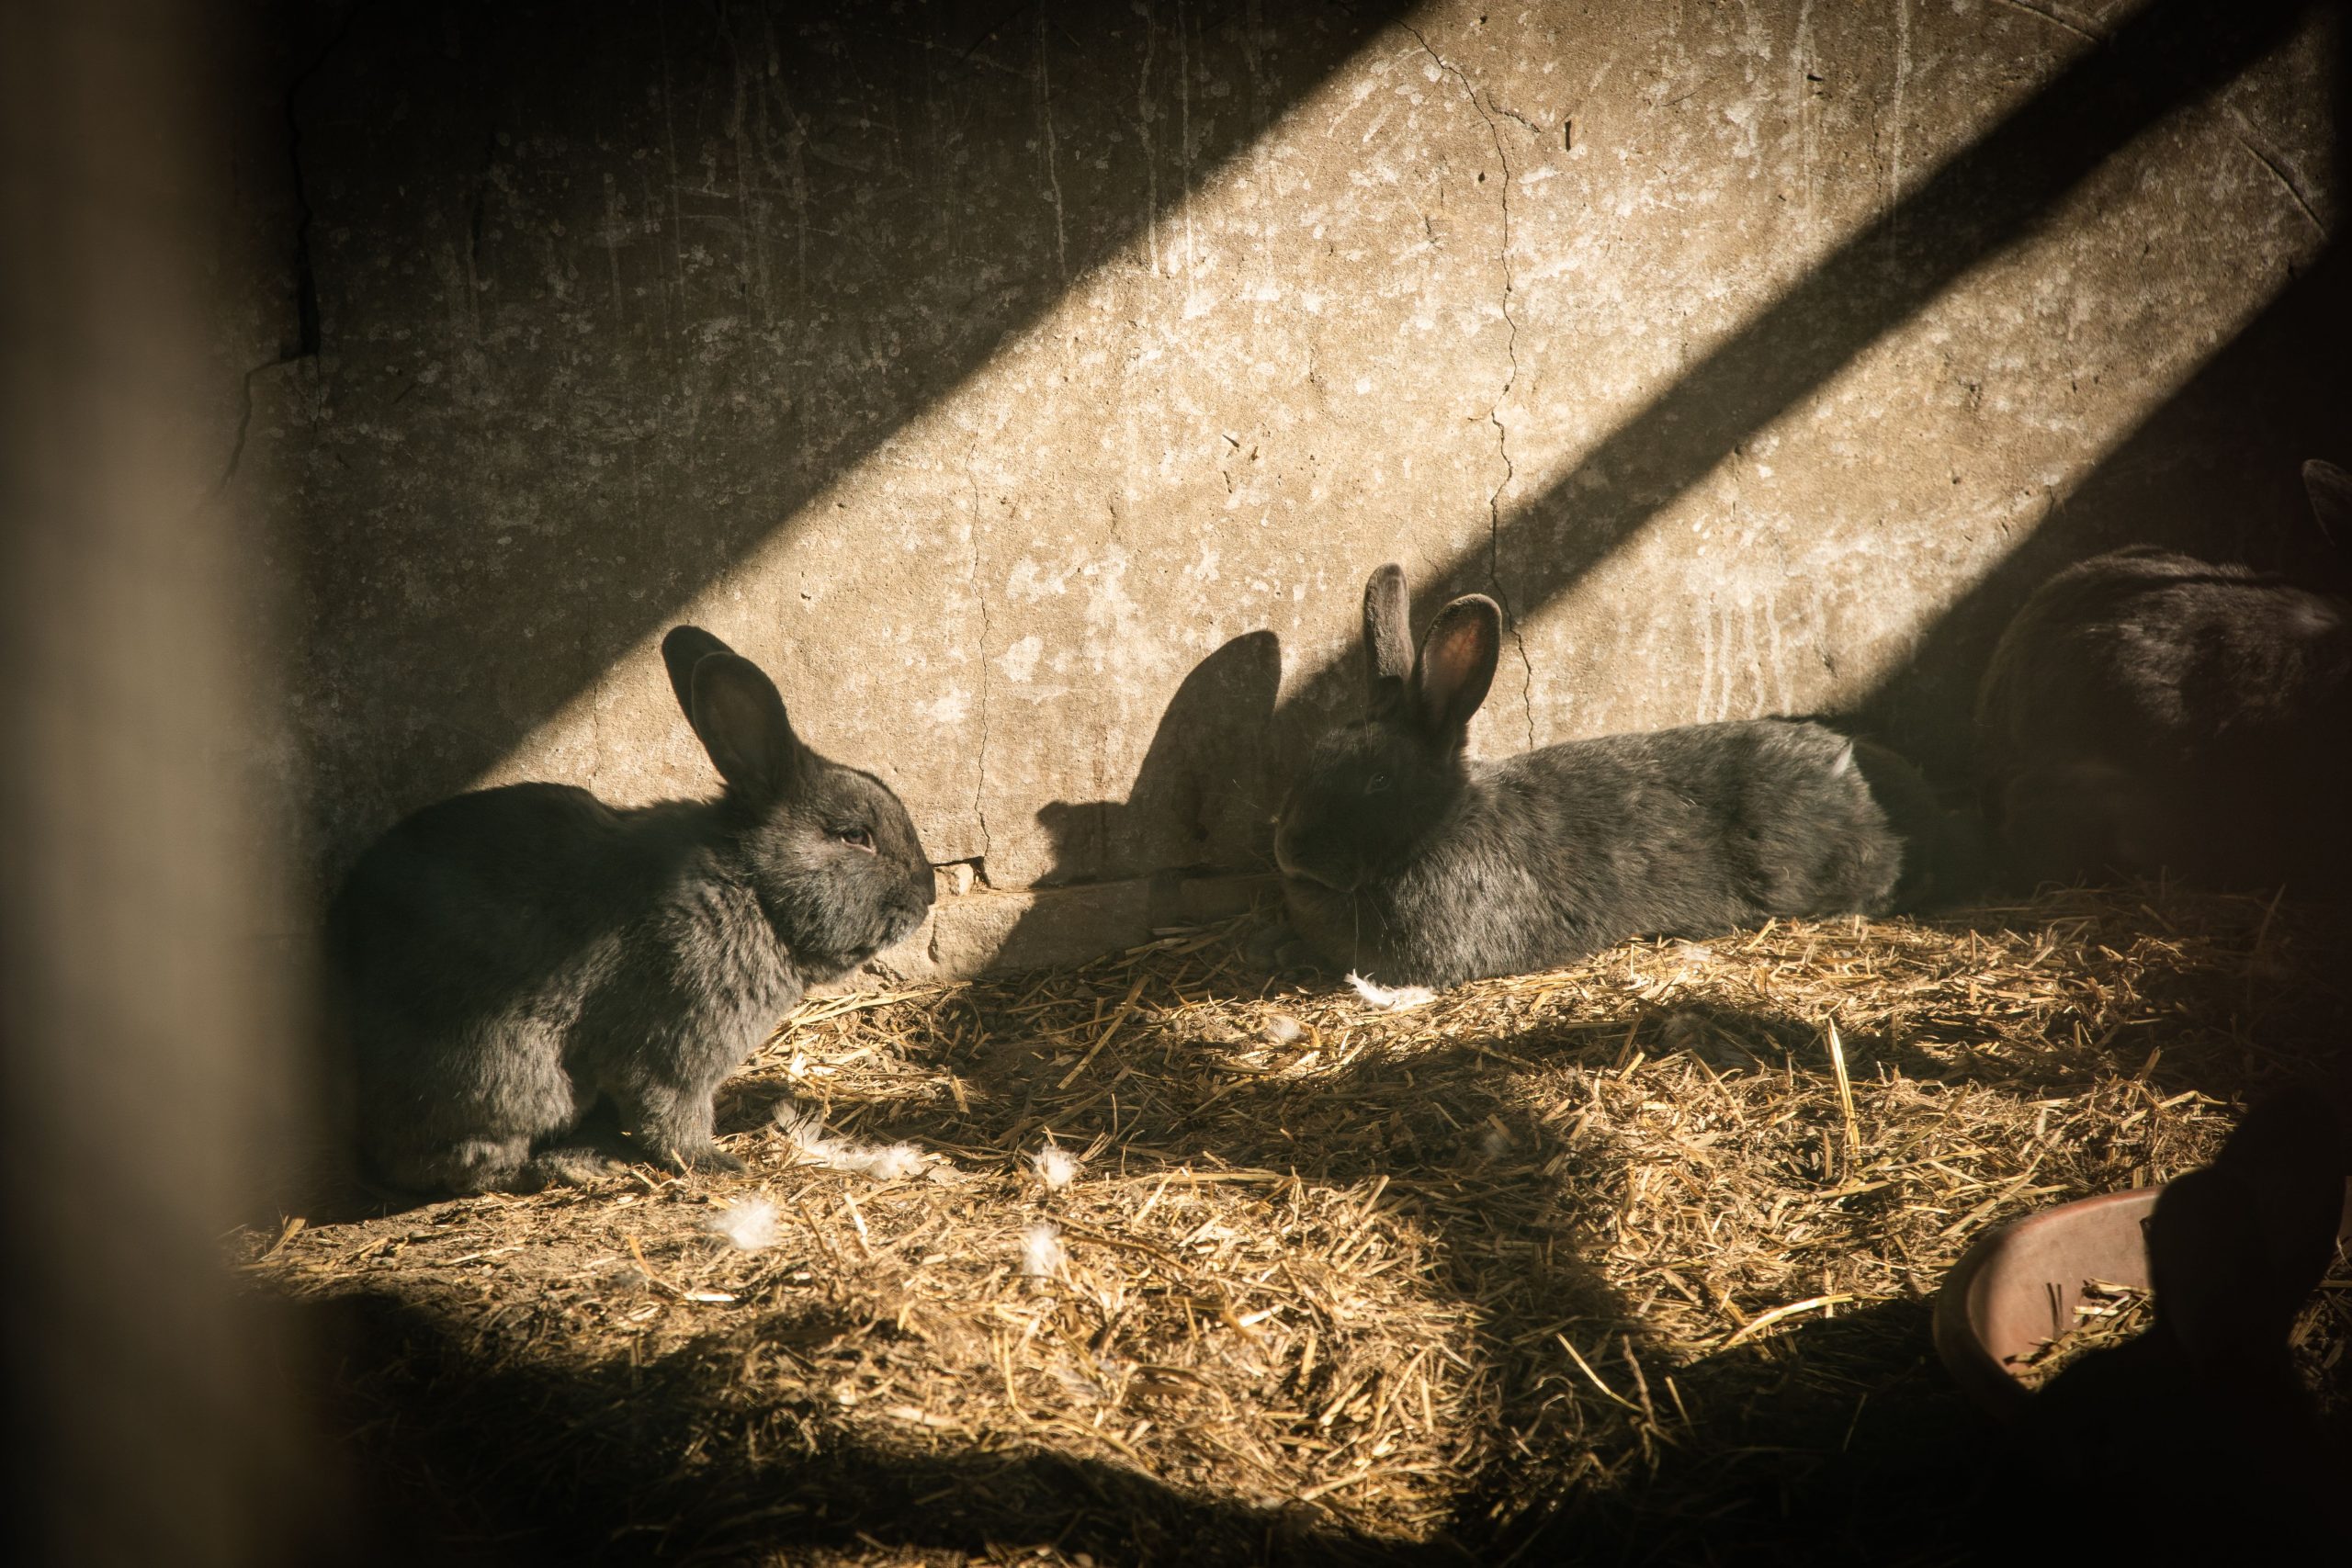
2231,441
1993,194
623,283
2212,471
771,311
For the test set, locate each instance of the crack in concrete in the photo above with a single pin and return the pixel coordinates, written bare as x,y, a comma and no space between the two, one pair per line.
1487,113
1051,155
1507,112
2052,18
980,596
2277,171
244,424
1142,137
306,281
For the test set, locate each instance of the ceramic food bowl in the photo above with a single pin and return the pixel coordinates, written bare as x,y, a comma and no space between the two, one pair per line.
2018,1288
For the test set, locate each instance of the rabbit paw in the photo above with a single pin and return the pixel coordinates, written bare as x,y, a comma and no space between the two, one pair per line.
570,1167
709,1160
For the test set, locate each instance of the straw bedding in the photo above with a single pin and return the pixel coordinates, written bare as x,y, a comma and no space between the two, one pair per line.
1628,1262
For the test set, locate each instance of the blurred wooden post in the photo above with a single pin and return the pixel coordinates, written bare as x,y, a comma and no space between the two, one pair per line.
144,1029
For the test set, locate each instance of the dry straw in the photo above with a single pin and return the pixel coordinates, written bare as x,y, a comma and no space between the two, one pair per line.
1622,1237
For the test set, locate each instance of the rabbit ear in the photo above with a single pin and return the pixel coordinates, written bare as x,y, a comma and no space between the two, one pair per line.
1387,638
2330,489
681,651
1457,665
736,711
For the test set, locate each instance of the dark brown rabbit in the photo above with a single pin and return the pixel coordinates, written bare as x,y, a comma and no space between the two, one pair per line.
2149,711
1403,857
506,960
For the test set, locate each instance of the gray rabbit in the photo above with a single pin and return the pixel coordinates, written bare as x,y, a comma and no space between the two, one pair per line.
507,959
2146,710
1406,859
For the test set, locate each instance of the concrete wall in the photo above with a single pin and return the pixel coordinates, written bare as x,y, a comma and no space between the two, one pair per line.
1030,389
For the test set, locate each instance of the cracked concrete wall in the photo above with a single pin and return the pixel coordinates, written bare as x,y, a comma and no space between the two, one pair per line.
1030,392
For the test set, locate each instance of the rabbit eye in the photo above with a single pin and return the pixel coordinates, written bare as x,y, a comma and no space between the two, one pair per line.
1376,784
862,838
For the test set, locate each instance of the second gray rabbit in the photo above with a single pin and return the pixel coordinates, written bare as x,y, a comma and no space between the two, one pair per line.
508,960
2147,710
1403,857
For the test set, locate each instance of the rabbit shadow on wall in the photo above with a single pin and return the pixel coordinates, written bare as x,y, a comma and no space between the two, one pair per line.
1202,799
1202,796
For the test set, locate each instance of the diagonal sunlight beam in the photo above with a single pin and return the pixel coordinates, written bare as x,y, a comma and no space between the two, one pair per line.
1921,706
1997,193
949,466
731,289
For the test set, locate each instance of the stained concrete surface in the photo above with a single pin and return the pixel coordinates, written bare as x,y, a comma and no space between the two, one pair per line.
1030,388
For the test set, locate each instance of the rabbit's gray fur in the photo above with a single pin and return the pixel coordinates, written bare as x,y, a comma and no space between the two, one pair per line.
2147,710
1404,858
506,959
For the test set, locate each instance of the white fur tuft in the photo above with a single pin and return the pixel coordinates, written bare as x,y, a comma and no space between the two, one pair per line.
1283,1028
749,1224
805,1130
801,1127
1390,998
1056,1166
884,1162
1041,1251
